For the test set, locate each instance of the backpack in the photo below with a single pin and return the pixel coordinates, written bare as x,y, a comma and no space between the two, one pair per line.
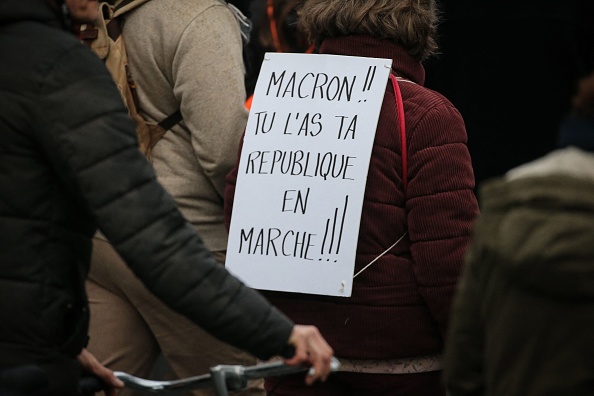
106,40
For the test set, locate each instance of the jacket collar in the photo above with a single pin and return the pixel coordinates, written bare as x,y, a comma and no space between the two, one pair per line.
403,64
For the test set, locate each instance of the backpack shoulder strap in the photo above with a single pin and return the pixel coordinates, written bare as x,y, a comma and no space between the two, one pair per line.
114,31
402,128
171,121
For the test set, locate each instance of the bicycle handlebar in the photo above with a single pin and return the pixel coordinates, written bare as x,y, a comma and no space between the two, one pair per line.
223,378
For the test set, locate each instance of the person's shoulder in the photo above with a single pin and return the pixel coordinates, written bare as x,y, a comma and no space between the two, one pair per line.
434,97
44,50
424,101
45,40
174,17
185,9
213,18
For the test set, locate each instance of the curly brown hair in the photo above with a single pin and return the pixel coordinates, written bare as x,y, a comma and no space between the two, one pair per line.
410,23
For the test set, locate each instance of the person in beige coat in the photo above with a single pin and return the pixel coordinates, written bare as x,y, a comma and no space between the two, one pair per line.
186,55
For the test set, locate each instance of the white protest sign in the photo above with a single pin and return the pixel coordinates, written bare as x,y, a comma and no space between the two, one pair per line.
303,170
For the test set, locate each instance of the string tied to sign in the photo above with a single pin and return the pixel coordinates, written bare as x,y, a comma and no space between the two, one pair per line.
384,252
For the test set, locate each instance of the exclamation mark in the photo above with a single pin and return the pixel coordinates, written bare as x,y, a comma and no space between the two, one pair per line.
346,204
369,78
332,235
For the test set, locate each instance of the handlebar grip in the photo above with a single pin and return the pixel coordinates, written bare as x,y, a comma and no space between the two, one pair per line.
88,386
23,379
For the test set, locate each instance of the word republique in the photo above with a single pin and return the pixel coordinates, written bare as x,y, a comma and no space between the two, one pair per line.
299,162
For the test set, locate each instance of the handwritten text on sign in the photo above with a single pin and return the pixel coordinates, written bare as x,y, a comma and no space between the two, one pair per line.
302,172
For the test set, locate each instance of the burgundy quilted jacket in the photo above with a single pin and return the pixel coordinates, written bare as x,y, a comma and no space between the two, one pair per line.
400,305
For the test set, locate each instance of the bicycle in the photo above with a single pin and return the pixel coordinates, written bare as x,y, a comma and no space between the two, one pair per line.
223,378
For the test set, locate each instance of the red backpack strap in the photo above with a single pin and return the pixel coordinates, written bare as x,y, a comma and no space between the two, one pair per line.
402,127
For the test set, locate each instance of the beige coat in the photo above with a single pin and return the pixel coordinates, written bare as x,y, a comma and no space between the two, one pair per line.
177,61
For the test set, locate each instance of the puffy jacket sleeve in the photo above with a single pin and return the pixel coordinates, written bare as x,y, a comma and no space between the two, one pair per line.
441,205
89,140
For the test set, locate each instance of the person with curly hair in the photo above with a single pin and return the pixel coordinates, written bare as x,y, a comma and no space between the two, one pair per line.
418,212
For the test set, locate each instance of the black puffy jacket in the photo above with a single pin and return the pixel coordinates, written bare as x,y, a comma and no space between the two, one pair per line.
69,163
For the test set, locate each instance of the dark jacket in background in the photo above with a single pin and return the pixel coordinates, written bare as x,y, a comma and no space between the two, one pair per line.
510,68
400,305
524,316
68,163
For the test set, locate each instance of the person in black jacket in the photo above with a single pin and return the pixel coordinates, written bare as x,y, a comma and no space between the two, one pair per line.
69,163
